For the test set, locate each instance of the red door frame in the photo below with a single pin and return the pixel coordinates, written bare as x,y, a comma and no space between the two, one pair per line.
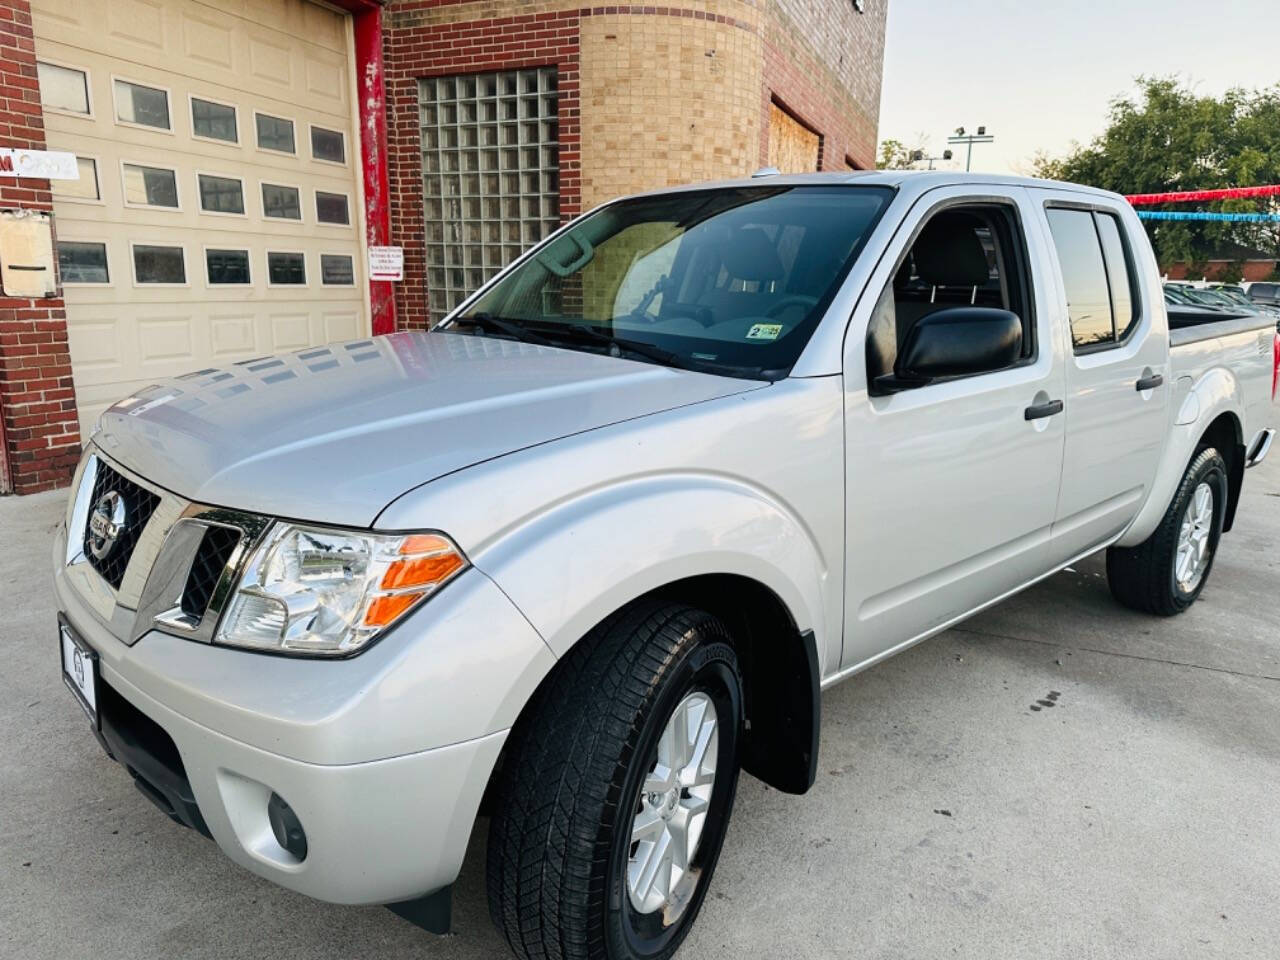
366,18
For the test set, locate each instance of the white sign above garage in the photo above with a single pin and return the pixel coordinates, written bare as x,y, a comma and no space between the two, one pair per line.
38,164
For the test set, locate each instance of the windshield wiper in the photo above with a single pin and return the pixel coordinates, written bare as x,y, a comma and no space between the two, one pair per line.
620,345
487,321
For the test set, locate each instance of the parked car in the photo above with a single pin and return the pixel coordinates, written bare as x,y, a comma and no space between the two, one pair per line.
1264,294
599,541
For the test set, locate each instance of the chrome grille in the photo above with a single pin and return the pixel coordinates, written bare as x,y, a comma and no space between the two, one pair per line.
211,559
139,504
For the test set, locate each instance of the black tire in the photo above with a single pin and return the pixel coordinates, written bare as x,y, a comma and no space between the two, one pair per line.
1145,577
569,788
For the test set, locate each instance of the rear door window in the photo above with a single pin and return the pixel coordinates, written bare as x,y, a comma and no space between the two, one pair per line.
1097,272
1120,278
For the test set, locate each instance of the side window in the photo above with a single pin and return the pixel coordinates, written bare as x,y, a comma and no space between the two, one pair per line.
971,255
1102,301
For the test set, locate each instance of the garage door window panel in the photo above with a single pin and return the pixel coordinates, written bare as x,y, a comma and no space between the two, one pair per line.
962,255
281,202
83,190
159,264
140,105
150,187
337,270
332,209
83,262
227,268
214,120
275,134
286,268
64,89
221,195
328,146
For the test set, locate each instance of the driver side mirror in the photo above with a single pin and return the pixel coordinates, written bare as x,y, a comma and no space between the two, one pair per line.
956,342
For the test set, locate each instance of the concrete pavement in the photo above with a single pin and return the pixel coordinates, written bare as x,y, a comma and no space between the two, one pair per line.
1058,777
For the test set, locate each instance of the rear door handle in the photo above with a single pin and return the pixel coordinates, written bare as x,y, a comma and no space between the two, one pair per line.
1150,383
1039,411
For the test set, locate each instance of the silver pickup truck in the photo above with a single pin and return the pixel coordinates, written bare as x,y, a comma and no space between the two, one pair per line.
598,542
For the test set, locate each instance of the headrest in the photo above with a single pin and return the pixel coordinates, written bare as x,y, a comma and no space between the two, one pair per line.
948,252
750,255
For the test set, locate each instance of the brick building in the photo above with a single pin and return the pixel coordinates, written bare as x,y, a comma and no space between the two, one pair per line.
237,159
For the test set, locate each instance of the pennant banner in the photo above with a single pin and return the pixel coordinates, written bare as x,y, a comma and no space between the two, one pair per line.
1184,196
1216,217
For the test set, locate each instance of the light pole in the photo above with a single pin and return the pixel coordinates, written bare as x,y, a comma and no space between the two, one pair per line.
918,155
970,139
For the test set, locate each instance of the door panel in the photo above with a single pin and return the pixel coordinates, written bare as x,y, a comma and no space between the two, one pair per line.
1115,432
950,490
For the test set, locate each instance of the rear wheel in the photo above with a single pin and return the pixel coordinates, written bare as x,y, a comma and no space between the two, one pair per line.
616,791
1165,574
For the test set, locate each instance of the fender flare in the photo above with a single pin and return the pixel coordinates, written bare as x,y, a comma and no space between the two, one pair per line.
711,524
1196,408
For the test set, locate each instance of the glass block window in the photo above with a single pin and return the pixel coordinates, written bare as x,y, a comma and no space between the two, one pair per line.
490,171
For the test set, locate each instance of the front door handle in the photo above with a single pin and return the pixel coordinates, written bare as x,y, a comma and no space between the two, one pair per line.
1038,411
1150,383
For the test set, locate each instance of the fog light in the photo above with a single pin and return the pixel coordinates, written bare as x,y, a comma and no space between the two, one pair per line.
287,827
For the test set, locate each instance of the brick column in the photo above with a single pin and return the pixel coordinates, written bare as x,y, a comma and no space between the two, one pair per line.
39,429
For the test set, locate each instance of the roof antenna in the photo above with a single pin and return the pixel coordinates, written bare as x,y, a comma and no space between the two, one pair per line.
766,172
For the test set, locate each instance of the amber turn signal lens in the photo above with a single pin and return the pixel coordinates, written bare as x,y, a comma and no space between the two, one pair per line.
420,571
384,610
425,543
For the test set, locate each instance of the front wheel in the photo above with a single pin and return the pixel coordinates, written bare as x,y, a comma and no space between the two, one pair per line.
616,790
1165,574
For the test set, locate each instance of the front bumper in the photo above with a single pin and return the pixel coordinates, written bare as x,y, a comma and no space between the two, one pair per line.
383,757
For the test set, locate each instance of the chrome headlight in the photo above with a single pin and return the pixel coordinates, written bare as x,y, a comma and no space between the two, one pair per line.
309,590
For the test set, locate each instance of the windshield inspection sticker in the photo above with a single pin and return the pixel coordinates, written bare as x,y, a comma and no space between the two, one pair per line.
764,331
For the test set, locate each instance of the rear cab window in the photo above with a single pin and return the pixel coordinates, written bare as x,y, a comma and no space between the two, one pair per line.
1098,276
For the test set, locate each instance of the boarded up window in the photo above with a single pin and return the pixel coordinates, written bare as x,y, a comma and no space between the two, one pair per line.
792,147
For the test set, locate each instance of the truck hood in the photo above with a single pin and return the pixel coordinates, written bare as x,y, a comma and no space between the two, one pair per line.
333,434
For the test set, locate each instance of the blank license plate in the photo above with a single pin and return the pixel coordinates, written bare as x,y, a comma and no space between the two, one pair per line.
80,670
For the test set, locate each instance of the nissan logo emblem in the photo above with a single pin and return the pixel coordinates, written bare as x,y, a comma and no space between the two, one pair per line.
106,523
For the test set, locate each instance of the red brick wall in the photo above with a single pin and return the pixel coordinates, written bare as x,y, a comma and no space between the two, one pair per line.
414,48
38,424
1253,270
789,81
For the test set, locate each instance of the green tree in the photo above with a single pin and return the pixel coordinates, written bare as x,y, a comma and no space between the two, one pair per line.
1168,137
896,155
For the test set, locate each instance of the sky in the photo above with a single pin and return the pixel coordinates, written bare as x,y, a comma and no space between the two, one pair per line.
1041,73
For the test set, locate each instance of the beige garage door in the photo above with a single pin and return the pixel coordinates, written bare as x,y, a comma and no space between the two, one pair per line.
217,217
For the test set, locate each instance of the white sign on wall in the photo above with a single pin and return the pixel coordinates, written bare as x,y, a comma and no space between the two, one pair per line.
386,263
38,164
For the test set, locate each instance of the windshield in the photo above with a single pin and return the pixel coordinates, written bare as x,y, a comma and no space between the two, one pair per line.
730,281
